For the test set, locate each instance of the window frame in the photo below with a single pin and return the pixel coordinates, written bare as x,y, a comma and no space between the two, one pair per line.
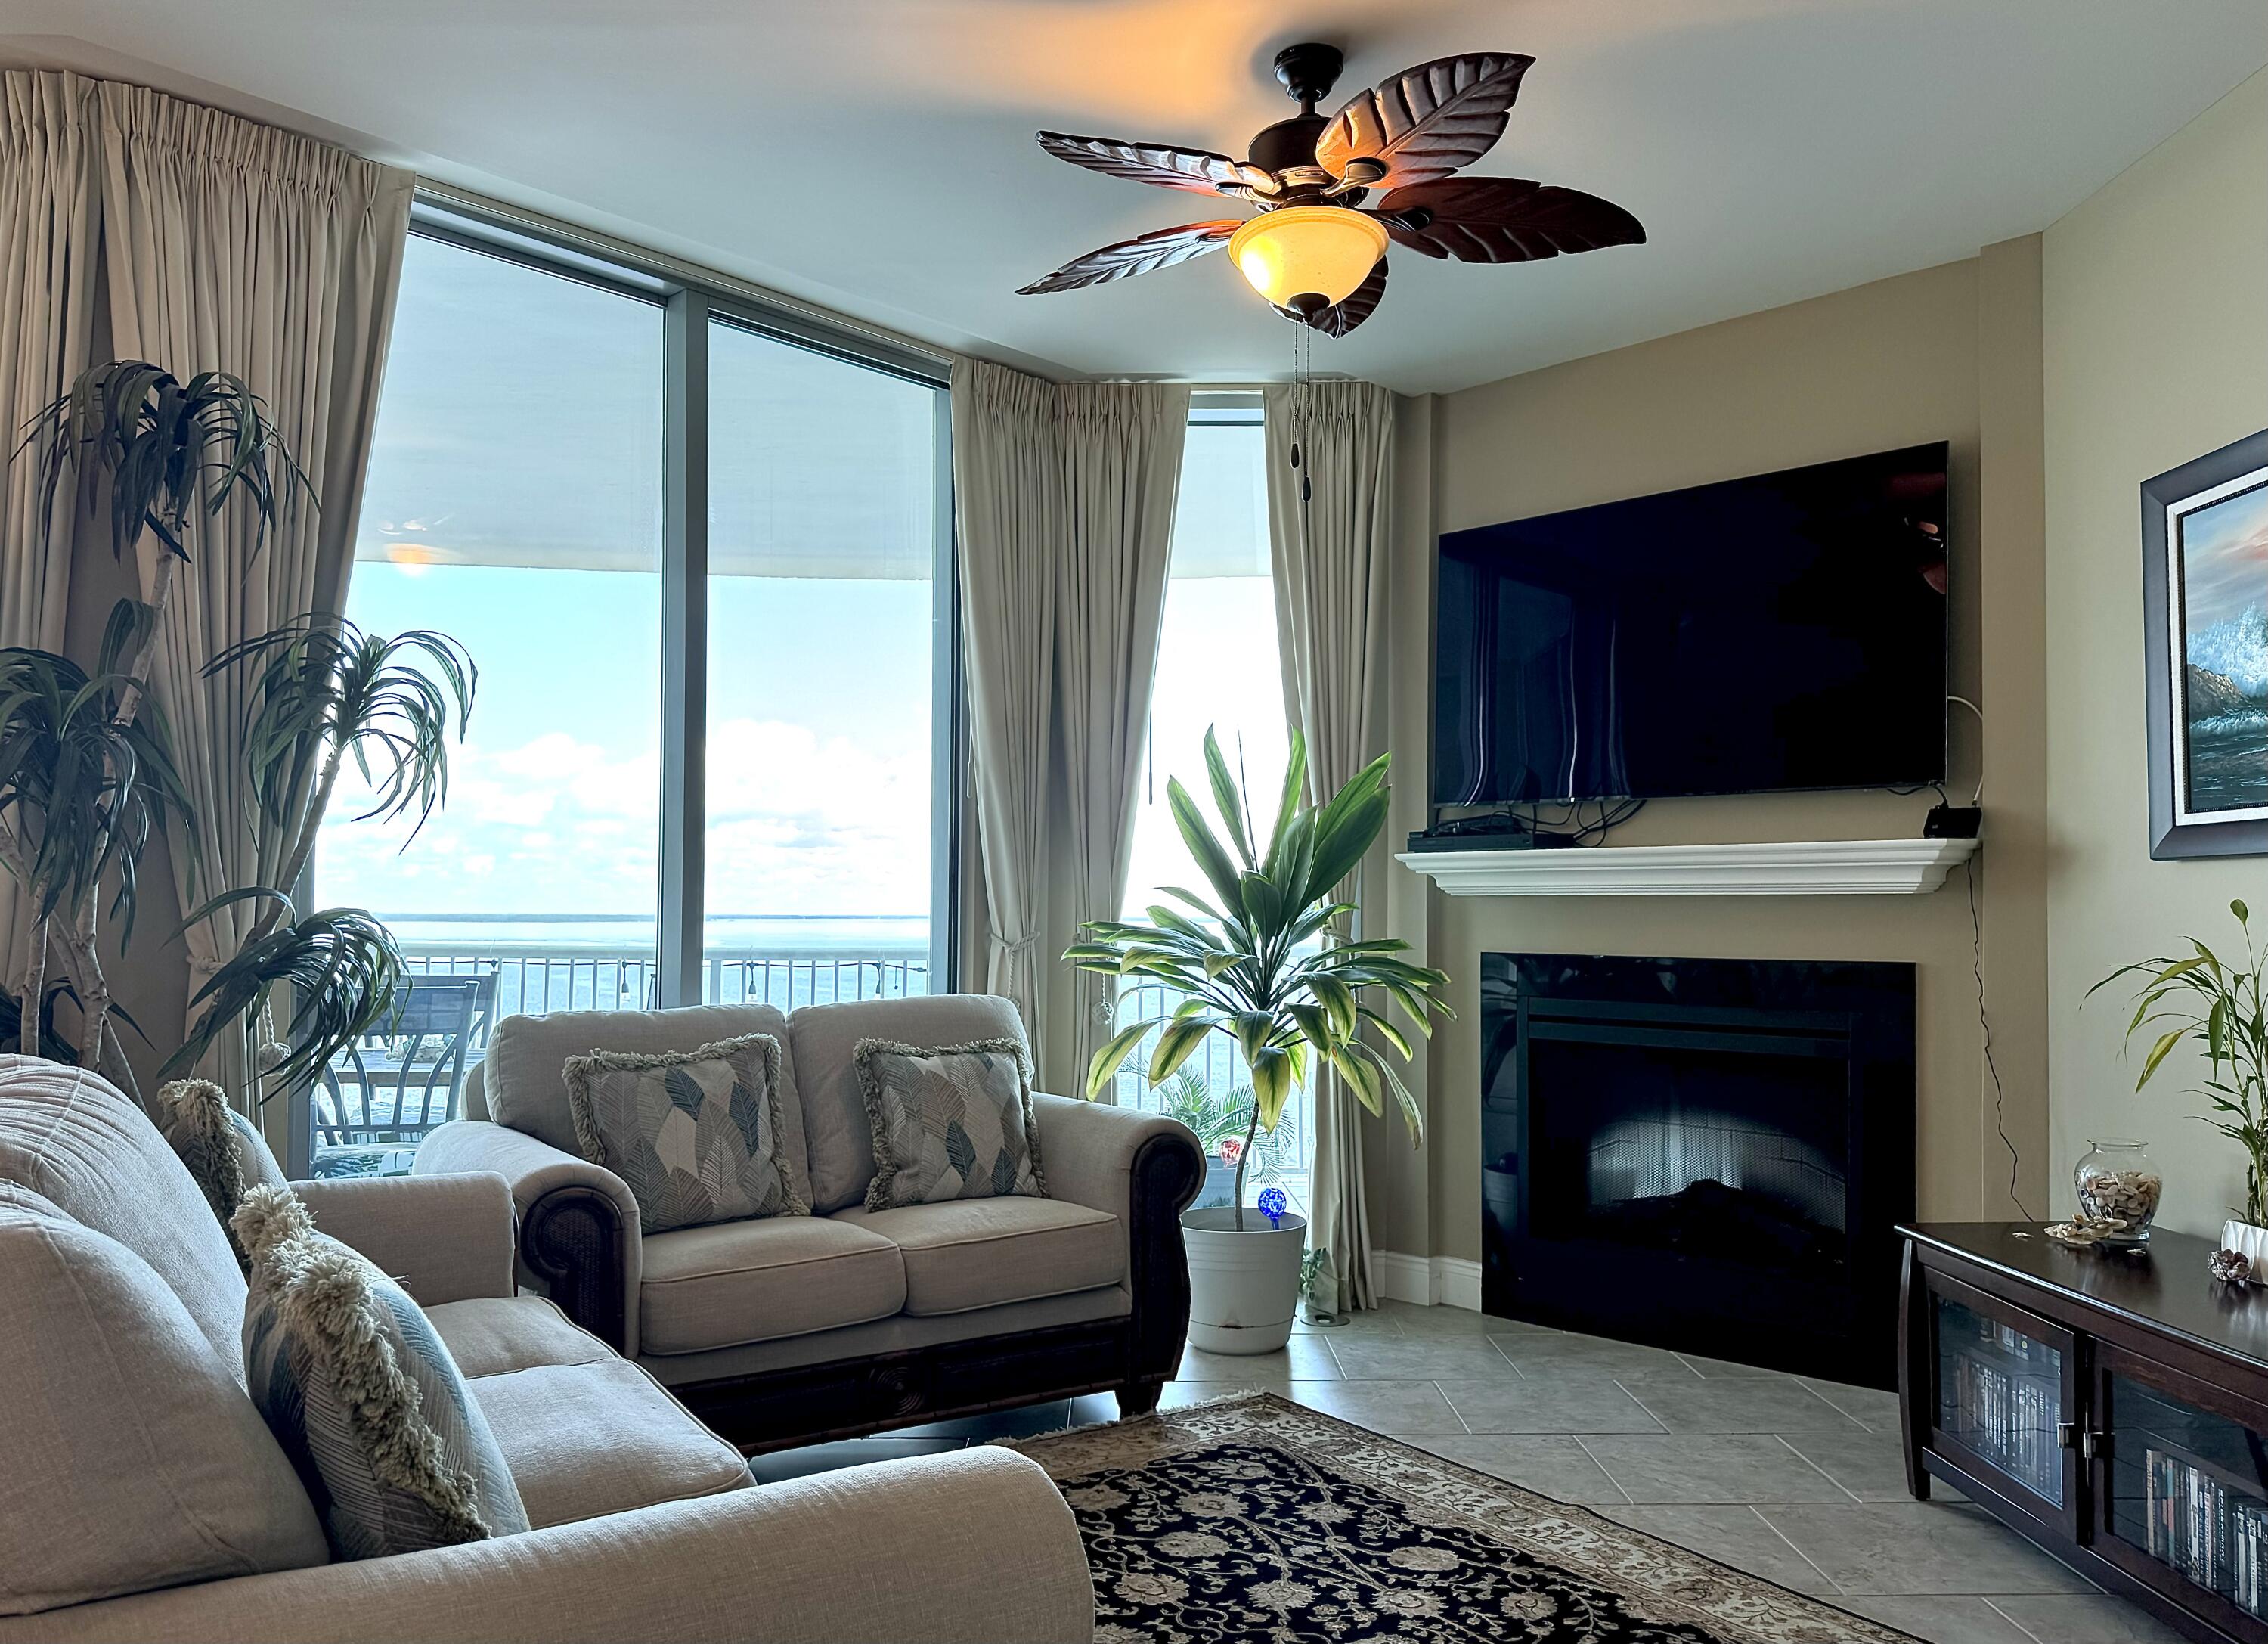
690,300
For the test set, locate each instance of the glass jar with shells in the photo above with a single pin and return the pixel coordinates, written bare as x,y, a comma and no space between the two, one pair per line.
2119,1190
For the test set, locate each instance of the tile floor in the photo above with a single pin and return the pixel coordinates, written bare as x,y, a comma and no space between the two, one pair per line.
1795,1480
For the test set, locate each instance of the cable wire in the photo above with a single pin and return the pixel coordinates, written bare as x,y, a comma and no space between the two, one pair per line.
2000,1095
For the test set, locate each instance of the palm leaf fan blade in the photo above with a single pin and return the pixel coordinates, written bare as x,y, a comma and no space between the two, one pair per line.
1504,219
1199,171
1427,122
1144,253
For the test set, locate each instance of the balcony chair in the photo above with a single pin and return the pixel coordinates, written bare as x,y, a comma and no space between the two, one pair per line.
434,1023
786,1330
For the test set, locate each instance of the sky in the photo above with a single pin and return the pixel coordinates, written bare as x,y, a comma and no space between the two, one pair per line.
514,501
2225,558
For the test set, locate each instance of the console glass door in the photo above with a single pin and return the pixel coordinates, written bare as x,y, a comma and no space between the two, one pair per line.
2182,1486
2003,1395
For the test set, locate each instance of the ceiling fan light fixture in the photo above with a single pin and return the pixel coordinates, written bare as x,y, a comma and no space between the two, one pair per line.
1324,250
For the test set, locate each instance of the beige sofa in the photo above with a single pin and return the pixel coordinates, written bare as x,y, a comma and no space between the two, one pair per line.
785,1330
142,1497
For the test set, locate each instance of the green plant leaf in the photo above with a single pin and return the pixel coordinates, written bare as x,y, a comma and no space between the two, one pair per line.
1336,996
1212,861
1104,1067
1273,1078
1361,1077
1287,806
1225,799
1175,1043
1388,1032
2158,1053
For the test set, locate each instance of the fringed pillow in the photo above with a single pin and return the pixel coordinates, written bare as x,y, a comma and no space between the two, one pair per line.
695,1135
224,1150
362,1395
956,1122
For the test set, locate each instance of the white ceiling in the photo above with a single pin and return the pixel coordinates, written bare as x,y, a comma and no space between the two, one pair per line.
877,155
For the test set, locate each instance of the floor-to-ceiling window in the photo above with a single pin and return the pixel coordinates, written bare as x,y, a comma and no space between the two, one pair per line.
1218,669
823,646
709,756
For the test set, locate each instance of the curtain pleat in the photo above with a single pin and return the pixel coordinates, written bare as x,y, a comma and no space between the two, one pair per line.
235,246
1010,516
1328,529
50,193
1121,454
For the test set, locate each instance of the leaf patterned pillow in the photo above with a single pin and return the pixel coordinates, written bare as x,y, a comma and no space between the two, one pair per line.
956,1122
694,1134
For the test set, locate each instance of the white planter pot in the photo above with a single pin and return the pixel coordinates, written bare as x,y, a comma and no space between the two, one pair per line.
2252,1242
1244,1286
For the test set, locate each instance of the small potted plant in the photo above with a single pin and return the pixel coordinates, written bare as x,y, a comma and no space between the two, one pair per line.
1261,963
2221,1006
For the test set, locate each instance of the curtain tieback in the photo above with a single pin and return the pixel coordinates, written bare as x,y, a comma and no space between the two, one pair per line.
1017,949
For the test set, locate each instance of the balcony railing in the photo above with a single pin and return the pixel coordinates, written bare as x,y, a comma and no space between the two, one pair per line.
536,978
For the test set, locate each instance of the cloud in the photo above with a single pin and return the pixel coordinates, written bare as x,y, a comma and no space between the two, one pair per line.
799,823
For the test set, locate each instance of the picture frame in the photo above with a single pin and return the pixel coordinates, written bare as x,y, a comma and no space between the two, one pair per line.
2204,628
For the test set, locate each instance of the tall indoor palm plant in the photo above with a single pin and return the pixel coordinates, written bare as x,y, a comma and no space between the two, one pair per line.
86,774
92,776
325,691
1261,961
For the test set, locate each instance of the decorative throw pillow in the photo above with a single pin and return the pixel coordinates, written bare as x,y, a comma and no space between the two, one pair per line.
224,1150
363,1397
696,1134
956,1122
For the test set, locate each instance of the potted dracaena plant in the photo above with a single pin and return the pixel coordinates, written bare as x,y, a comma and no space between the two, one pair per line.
1262,964
86,771
2221,1006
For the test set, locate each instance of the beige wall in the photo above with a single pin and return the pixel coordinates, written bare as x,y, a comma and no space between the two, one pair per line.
2156,333
1948,353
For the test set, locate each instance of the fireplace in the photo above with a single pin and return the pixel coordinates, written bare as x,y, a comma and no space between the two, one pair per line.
1706,1155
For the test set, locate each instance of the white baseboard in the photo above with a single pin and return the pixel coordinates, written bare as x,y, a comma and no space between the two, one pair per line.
1430,1281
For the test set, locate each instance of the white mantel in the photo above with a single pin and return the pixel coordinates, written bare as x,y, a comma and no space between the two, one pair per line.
1803,867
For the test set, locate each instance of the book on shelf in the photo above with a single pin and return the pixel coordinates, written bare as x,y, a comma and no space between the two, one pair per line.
2011,1416
2209,1532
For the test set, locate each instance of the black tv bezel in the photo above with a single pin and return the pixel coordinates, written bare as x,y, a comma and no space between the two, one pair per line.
1436,804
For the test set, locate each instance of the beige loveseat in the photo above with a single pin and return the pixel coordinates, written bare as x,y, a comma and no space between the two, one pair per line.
789,1329
142,1496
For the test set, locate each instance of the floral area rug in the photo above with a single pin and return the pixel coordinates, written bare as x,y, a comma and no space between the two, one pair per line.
1251,1518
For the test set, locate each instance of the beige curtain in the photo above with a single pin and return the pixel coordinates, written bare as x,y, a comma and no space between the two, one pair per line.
1328,532
49,204
233,246
1122,457
1010,517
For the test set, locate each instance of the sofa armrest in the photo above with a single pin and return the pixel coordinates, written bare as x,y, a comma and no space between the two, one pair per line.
445,1238
972,1545
578,1225
1143,1169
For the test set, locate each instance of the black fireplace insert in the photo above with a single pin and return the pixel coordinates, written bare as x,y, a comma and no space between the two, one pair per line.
1704,1154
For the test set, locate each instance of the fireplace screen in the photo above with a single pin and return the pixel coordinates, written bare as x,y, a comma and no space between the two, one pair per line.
1701,1150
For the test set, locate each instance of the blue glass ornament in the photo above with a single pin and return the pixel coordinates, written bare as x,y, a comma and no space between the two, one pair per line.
1273,1204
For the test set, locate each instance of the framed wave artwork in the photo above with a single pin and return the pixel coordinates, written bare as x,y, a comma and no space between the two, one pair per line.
2204,608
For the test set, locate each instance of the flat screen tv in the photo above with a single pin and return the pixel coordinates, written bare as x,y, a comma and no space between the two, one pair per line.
1784,631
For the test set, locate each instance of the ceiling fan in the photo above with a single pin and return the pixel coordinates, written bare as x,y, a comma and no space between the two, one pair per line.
1310,252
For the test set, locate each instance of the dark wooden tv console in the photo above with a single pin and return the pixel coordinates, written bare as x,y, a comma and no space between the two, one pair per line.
2111,1405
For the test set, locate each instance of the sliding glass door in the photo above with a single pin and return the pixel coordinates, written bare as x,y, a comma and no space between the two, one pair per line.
696,558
